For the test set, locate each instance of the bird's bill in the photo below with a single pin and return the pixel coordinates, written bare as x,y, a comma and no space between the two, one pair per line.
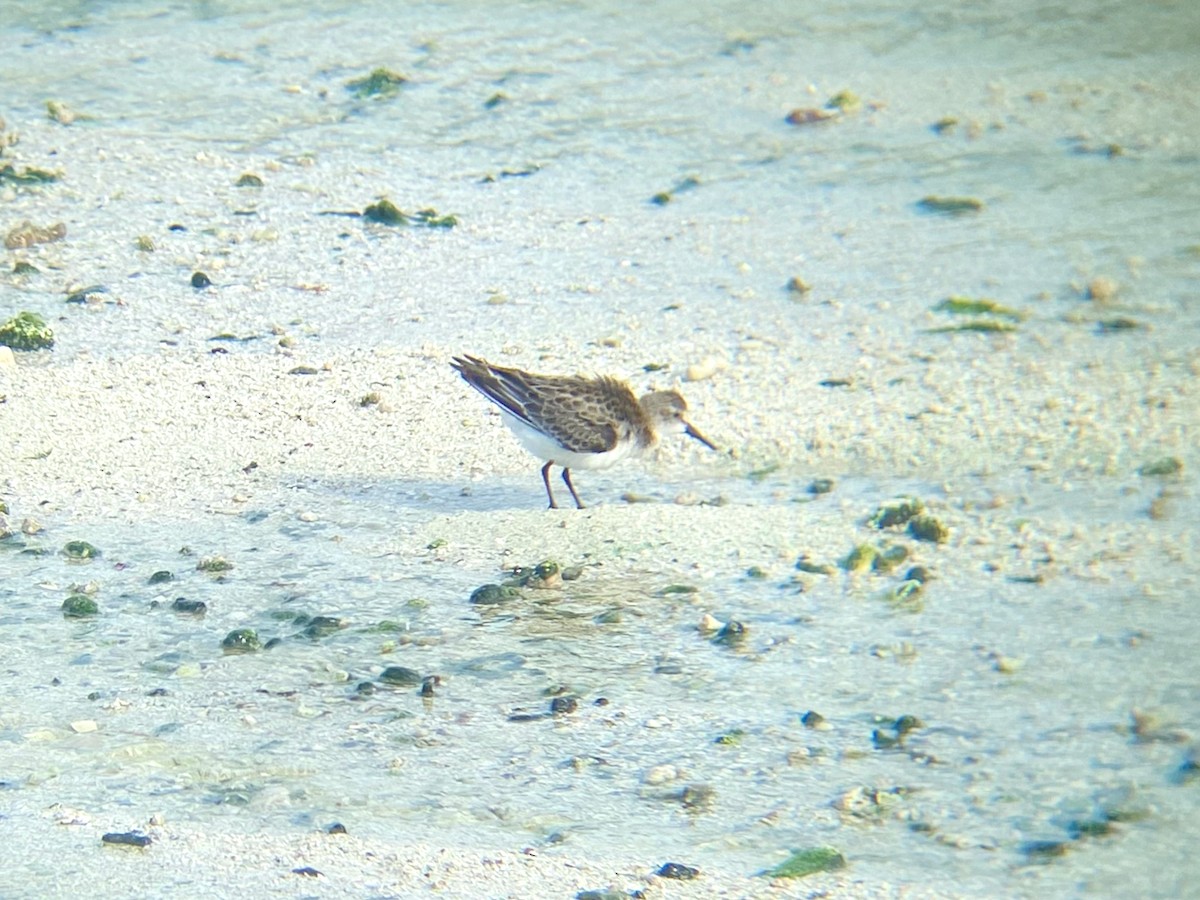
693,433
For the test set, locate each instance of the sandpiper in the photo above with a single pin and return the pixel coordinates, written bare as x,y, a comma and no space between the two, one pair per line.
577,422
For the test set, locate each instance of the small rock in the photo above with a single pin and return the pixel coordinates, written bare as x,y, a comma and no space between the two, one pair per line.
127,839
663,774
929,528
401,676
84,726
731,634
563,705
678,870
1102,289
184,606
815,721
241,640
798,285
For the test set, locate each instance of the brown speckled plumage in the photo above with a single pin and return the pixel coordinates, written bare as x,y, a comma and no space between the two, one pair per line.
588,420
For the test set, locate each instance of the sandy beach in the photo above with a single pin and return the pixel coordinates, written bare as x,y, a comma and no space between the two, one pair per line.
298,418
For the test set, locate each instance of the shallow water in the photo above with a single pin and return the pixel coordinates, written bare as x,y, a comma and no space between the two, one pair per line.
282,739
604,109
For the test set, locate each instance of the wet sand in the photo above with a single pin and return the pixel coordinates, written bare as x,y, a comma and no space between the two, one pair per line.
1049,655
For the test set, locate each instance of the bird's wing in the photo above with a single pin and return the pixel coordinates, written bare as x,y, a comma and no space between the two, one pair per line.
553,405
502,386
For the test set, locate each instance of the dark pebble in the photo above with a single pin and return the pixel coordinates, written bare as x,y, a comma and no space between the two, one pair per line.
241,640
79,606
321,626
176,227
365,688
200,281
1043,851
157,692
677,870
563,705
336,828
273,642
428,684
733,632
1188,770
127,838
491,594
401,676
189,607
918,573
526,717
161,577
812,719
905,724
1081,828
307,872
81,295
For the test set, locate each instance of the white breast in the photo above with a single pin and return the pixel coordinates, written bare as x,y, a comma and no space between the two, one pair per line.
548,449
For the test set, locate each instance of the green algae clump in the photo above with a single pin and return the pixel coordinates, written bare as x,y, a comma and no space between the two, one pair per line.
385,212
493,594
860,558
79,550
808,862
26,331
950,206
1161,468
846,101
380,83
977,306
896,512
929,528
79,606
241,640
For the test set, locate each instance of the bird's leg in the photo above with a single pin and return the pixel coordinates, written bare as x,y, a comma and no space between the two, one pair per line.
571,488
546,481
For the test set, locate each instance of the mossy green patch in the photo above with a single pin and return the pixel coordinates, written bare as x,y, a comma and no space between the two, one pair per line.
1161,468
26,176
380,83
241,640
928,528
950,206
26,331
977,306
846,101
860,558
79,550
385,212
79,606
808,862
896,512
